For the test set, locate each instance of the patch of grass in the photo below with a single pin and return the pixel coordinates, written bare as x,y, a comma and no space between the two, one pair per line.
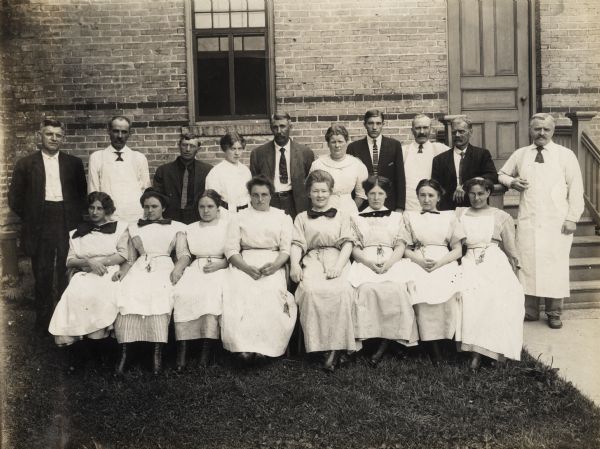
286,404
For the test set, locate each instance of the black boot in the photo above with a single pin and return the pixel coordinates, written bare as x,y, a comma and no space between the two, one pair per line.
205,352
435,352
121,365
330,360
181,355
157,359
378,355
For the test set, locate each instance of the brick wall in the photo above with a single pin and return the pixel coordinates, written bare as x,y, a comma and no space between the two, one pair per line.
569,45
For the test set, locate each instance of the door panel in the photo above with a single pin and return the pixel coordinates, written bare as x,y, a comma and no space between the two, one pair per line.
488,50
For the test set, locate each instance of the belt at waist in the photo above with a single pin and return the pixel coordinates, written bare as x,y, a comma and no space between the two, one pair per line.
274,248
282,194
55,204
378,246
482,245
211,257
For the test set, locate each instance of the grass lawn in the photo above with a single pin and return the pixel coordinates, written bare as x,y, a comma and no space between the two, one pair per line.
287,403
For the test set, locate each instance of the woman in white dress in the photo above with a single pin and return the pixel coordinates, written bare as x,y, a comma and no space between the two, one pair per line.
198,295
383,301
147,279
434,244
493,301
348,172
229,177
259,313
88,306
321,248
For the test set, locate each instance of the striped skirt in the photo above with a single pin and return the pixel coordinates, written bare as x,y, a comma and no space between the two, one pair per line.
154,328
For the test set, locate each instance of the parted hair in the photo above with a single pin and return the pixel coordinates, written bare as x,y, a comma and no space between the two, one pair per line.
478,181
230,138
435,185
104,198
373,113
380,181
260,180
213,195
318,176
189,136
337,129
150,192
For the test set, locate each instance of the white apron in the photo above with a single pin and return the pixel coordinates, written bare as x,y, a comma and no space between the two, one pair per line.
416,167
543,248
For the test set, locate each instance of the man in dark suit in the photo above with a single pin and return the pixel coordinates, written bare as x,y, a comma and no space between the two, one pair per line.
463,161
286,163
48,193
183,181
382,156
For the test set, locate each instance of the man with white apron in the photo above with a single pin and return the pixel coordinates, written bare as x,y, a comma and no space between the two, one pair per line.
418,158
120,172
551,202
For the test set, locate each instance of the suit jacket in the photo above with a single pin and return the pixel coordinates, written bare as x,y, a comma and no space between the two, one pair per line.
168,180
27,192
262,161
390,165
477,162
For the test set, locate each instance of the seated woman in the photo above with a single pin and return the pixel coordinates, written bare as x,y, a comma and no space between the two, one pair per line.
347,171
229,177
145,301
493,301
88,307
321,249
259,313
383,305
198,295
435,269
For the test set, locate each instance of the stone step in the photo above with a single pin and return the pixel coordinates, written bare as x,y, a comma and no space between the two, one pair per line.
584,295
585,246
585,268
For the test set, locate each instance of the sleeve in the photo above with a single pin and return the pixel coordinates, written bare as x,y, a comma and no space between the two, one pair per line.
361,175
439,148
503,222
133,230
346,233
309,159
94,172
285,236
358,235
158,180
71,254
436,169
400,236
81,185
232,242
574,187
181,246
16,191
254,169
509,170
488,169
407,234
298,234
211,181
122,242
400,179
456,232
179,229
315,165
142,171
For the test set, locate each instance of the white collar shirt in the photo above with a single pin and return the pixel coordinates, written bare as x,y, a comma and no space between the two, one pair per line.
279,186
53,186
370,143
456,153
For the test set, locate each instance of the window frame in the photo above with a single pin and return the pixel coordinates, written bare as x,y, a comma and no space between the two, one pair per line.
191,55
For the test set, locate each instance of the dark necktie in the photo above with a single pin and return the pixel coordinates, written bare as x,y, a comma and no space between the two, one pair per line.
283,173
539,157
430,212
376,213
375,157
330,213
163,221
85,228
184,188
420,148
460,167
119,156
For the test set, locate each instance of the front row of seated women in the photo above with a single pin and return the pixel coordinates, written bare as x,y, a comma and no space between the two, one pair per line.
229,277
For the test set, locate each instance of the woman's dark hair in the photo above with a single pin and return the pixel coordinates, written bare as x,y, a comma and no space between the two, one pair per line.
430,183
213,195
230,138
318,176
380,181
151,193
260,180
487,185
337,130
104,199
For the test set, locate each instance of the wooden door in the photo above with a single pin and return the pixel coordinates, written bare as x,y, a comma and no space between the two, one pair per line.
489,71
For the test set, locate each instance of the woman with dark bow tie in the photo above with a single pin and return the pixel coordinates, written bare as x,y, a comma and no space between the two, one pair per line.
434,244
321,247
147,279
383,303
88,307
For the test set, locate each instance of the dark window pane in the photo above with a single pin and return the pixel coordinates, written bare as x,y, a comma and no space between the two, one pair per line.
213,85
208,44
254,43
250,84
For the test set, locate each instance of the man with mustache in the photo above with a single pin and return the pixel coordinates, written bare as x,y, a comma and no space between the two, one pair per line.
286,163
457,165
382,156
183,180
418,158
120,171
548,177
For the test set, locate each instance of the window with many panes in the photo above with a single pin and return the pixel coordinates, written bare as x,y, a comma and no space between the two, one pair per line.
231,59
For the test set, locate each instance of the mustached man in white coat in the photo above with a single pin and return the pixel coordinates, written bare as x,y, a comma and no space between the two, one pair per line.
549,179
120,172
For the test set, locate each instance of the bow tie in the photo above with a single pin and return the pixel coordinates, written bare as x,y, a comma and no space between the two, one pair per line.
163,221
377,213
330,213
430,212
86,227
119,156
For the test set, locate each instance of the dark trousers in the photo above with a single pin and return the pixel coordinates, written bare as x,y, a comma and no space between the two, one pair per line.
285,202
50,256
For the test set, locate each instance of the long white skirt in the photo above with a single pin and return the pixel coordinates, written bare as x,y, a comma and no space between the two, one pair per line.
492,306
258,315
88,307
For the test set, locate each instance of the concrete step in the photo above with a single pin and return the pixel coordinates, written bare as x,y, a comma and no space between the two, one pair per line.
584,295
585,246
585,269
